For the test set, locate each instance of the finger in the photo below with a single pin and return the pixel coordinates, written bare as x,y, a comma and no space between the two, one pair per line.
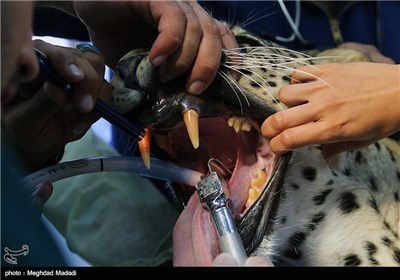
171,22
224,259
229,43
309,73
64,60
296,94
300,136
84,121
82,124
282,120
227,37
184,56
209,54
84,71
258,261
44,106
86,91
45,192
41,194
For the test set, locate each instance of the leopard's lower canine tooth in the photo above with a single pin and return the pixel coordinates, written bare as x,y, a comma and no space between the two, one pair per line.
191,118
144,148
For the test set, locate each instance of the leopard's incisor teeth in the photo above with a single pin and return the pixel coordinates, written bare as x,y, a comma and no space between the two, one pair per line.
144,148
231,121
191,118
245,126
239,124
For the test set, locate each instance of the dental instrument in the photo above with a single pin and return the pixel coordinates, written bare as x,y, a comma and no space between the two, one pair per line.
213,197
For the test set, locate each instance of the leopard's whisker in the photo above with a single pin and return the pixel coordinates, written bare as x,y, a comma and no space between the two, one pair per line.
253,18
231,82
259,18
257,83
273,67
272,48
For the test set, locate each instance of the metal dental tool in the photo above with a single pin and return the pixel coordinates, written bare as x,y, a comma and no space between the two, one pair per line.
212,196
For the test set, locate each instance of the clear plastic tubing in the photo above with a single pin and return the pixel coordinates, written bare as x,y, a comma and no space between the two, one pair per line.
160,169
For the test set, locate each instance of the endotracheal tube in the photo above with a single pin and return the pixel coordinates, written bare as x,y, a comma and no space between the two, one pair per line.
160,169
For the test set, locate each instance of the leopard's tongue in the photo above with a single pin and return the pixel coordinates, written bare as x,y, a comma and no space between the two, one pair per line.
194,237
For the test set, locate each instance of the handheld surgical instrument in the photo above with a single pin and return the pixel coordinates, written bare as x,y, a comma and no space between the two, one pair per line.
48,73
213,197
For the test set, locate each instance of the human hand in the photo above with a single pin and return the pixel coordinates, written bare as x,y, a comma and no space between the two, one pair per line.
181,34
42,118
370,50
343,106
226,259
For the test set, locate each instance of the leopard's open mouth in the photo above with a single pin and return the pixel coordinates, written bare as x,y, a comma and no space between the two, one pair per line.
190,130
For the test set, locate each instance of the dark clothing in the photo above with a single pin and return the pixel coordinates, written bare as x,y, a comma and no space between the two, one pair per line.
21,227
366,22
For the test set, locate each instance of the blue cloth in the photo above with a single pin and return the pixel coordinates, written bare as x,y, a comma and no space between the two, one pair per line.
367,22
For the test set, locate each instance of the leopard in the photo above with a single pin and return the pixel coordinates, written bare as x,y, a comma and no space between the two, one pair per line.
297,209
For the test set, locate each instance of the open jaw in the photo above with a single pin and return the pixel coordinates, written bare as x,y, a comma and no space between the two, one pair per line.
253,185
190,130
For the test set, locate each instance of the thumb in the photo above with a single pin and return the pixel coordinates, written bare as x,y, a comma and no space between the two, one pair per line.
225,259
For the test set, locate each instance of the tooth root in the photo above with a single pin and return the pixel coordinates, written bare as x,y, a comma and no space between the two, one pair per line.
144,148
260,180
191,118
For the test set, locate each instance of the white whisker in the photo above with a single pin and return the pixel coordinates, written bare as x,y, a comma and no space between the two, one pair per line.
257,19
253,18
231,82
270,61
256,82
